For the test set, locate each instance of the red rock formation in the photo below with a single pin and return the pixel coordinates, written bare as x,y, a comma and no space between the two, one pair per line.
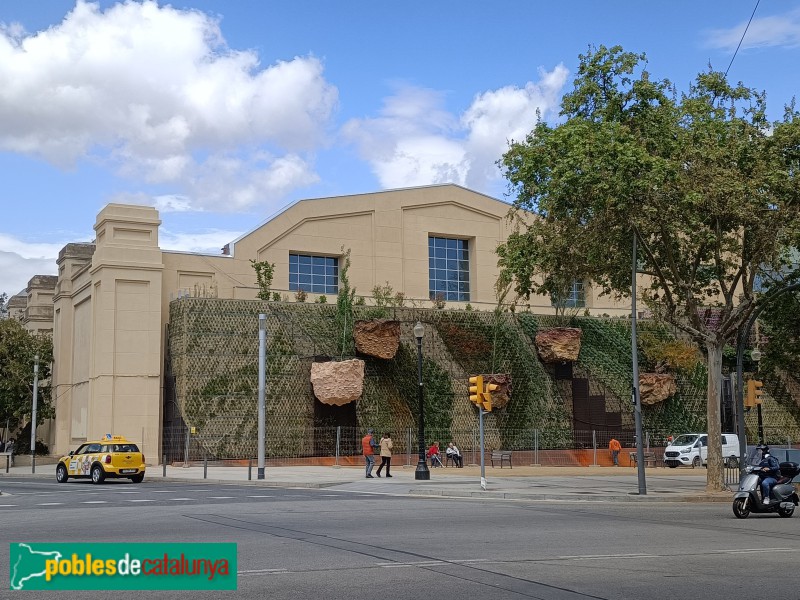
560,344
379,338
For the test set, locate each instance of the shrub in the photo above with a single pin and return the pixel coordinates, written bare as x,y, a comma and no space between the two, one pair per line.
300,295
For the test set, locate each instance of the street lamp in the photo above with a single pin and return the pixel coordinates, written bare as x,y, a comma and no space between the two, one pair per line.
755,356
422,473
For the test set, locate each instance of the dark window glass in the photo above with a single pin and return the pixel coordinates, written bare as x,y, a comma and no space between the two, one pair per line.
448,268
315,274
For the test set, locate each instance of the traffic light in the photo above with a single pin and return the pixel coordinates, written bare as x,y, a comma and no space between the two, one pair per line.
754,392
487,396
476,389
480,394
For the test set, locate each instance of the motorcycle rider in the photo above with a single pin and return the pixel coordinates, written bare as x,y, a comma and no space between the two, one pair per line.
772,469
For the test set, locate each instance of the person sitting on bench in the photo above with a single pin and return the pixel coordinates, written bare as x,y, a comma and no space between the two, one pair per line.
454,454
433,454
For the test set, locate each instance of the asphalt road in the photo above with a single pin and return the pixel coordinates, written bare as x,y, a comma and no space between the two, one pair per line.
309,543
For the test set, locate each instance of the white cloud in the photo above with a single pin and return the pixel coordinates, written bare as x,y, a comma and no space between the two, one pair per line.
207,242
19,261
156,93
415,141
777,30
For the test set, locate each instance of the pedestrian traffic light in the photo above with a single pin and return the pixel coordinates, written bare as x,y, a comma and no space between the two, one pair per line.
476,389
754,392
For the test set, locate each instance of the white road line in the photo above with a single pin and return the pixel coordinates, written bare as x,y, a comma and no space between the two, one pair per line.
161,491
129,492
140,500
7,505
219,497
260,496
179,499
94,502
332,495
260,571
50,504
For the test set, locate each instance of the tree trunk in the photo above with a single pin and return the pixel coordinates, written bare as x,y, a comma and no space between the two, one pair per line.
715,481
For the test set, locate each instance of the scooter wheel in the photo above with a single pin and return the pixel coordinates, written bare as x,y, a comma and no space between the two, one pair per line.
740,508
786,512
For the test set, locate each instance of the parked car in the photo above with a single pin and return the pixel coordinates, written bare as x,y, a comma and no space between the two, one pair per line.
691,449
112,456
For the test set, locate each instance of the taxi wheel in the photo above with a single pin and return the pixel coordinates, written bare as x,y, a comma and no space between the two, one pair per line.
137,478
98,475
61,474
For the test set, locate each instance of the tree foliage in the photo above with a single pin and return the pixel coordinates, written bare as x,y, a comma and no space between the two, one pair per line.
18,347
706,183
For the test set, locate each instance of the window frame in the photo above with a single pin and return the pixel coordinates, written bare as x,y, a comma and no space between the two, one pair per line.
313,273
449,268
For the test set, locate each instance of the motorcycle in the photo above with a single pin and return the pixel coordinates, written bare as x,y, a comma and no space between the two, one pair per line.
783,497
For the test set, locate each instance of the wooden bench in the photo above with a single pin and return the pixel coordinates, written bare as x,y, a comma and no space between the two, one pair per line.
649,459
501,456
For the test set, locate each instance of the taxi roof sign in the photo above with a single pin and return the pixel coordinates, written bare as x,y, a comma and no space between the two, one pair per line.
113,438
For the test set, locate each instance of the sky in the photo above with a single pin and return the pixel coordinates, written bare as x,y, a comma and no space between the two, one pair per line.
221,113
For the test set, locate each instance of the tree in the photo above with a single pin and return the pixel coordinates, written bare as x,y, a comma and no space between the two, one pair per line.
18,347
703,180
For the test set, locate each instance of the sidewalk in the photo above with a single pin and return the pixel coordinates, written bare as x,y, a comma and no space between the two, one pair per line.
606,484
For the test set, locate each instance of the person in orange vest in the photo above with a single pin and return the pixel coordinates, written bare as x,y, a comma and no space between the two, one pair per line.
368,445
615,447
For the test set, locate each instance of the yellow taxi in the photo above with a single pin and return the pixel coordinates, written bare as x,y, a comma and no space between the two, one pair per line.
112,456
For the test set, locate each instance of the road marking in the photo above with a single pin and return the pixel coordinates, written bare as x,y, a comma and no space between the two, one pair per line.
263,571
219,497
94,502
50,504
332,495
179,499
141,500
129,492
161,491
7,505
261,496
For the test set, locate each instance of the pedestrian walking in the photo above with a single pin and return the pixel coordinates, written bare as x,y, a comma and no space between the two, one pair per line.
615,447
10,449
368,445
386,454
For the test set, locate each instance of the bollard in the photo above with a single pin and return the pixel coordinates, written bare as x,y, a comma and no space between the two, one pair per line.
338,440
205,466
33,463
250,470
164,463
594,446
536,446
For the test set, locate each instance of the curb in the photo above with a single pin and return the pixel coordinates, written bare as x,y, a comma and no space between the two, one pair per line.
567,498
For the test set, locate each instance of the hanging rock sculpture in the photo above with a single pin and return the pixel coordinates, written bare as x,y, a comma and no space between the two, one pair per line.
656,387
502,394
338,383
379,338
560,344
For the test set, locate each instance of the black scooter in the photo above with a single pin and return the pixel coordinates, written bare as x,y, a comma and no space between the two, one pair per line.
783,497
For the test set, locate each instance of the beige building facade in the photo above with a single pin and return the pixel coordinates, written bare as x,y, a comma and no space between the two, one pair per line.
111,300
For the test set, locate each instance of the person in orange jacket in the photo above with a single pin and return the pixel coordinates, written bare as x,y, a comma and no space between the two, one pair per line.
615,447
368,445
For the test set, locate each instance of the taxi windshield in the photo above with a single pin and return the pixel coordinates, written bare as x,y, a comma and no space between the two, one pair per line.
125,448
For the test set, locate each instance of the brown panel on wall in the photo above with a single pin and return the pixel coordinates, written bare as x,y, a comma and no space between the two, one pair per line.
580,404
597,412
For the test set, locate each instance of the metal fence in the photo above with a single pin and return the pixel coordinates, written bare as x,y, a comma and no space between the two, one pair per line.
342,445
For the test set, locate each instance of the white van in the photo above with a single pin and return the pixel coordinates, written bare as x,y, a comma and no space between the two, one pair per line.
691,449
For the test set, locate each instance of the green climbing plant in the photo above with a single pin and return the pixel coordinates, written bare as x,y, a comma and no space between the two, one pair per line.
265,271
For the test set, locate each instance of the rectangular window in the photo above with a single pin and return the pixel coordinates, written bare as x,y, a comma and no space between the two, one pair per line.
448,269
315,274
576,296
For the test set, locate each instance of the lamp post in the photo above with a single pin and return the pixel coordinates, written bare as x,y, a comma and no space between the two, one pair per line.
755,356
422,472
33,411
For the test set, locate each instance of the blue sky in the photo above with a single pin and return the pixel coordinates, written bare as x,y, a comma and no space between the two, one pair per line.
220,113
